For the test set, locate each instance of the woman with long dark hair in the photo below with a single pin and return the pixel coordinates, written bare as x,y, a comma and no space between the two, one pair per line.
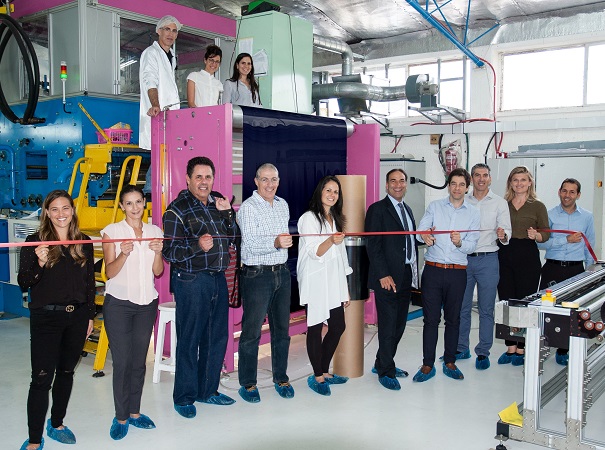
520,265
61,283
322,271
131,305
242,88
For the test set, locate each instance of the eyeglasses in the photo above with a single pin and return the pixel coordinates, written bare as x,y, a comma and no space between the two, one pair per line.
269,180
170,30
213,61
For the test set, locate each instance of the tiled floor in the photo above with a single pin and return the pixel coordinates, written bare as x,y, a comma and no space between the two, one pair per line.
439,414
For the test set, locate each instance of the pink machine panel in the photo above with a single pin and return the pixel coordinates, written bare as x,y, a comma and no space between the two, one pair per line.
179,135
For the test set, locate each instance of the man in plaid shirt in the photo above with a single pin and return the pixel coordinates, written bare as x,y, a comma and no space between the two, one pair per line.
201,224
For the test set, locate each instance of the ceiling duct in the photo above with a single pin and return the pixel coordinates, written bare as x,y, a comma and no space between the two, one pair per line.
336,46
352,94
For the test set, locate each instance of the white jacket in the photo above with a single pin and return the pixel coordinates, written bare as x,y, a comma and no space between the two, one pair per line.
155,72
322,280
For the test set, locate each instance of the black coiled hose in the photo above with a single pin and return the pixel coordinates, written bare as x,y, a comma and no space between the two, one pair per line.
10,27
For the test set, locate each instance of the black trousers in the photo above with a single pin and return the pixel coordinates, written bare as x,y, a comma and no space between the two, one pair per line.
441,288
321,351
519,272
57,340
553,273
128,327
392,312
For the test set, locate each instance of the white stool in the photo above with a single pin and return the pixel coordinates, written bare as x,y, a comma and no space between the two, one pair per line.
167,314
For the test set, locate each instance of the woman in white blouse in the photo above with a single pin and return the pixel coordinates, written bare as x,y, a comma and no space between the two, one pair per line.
130,307
203,88
322,271
242,88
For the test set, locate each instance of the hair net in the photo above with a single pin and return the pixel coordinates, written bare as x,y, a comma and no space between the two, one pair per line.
167,20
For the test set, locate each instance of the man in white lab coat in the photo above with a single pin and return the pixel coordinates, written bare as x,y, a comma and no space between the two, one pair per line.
156,77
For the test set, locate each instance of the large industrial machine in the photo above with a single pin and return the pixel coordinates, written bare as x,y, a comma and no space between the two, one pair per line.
63,150
557,402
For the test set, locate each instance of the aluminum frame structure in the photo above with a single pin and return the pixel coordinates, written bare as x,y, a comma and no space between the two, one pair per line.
447,30
584,377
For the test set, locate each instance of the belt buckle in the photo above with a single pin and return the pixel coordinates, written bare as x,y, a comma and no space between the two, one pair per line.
70,308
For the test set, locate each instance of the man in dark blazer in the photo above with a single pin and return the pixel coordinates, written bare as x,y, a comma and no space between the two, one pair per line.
393,272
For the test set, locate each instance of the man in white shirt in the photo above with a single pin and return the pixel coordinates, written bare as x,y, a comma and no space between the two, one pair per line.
156,78
483,266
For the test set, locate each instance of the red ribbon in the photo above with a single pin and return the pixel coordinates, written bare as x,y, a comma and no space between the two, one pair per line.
588,246
102,241
359,233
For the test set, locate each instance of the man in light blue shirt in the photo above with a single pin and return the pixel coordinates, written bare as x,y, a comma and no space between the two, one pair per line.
483,268
567,253
444,275
265,283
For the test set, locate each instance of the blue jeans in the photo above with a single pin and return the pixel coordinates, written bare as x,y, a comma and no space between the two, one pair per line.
483,271
202,312
265,292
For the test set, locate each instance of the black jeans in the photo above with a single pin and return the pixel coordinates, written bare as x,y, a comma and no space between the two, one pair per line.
441,288
128,327
321,351
57,340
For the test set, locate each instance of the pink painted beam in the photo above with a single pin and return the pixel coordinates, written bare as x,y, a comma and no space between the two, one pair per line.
154,8
27,8
187,16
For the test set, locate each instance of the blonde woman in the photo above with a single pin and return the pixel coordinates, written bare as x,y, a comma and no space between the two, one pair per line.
520,260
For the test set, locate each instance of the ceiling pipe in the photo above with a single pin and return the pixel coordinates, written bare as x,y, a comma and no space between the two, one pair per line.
358,90
336,46
350,89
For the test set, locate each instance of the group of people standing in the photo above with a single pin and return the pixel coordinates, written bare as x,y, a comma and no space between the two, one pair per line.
492,244
159,90
477,239
60,279
473,239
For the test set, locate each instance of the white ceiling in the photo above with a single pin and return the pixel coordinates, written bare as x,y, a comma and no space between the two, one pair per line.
367,24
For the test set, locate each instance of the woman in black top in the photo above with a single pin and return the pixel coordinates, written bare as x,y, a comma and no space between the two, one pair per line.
61,284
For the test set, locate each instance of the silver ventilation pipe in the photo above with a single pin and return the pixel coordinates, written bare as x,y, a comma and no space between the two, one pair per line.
358,90
349,88
336,46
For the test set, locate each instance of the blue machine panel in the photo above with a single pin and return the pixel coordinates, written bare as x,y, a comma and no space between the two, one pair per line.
4,269
35,159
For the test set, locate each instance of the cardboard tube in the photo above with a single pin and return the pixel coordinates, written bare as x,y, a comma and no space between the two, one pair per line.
348,359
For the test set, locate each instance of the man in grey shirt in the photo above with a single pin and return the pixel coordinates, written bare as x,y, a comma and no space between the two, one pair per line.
483,266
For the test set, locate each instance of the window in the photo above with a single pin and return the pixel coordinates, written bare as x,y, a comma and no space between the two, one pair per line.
452,80
555,78
596,66
37,31
137,36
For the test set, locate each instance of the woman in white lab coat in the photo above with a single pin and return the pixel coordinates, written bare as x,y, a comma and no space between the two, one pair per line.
322,271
